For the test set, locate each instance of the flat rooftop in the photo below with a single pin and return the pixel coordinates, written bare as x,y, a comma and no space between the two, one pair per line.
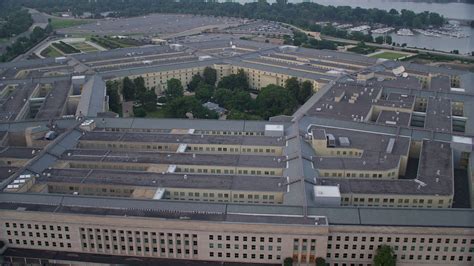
347,101
106,156
394,118
164,180
438,115
358,140
183,138
434,176
55,100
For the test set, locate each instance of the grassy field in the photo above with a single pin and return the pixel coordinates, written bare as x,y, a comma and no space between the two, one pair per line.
84,47
59,23
50,52
389,55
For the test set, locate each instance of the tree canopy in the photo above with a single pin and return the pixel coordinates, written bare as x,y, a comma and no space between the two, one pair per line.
384,256
210,76
275,100
16,21
174,89
320,261
301,14
235,81
181,106
113,88
300,91
129,89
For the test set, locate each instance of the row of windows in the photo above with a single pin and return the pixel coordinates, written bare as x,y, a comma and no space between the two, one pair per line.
199,132
239,133
39,243
155,130
121,166
244,247
253,256
356,175
221,195
107,241
391,202
146,249
37,226
225,149
261,239
403,257
403,248
38,234
224,171
402,239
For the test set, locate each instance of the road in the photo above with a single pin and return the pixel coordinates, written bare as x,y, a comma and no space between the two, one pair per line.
384,46
397,48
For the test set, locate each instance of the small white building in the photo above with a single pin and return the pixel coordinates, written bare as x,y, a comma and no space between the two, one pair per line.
274,130
327,196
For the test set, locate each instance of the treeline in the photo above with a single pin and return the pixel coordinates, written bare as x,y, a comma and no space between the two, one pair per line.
302,14
15,21
23,44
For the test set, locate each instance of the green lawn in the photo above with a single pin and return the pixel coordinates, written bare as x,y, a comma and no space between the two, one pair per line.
60,23
390,55
84,47
50,52
156,114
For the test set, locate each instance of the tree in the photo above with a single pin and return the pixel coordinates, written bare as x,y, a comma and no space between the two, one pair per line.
320,261
129,89
174,89
139,84
210,76
114,97
234,81
384,256
179,107
379,39
293,86
204,92
241,101
139,112
223,97
306,90
275,100
149,100
241,78
195,80
288,262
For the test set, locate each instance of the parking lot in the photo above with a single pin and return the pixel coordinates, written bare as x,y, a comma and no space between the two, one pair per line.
150,25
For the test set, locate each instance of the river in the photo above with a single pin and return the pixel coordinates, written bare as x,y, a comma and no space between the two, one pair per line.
457,10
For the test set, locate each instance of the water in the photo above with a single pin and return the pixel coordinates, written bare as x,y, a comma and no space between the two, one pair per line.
458,10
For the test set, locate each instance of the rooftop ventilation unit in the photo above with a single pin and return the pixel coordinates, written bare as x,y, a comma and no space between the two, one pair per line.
181,148
344,141
390,145
331,140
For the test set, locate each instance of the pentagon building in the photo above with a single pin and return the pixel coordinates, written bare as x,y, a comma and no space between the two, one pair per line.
380,154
